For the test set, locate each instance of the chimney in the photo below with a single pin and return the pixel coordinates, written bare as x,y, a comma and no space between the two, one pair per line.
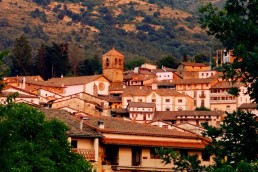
154,86
23,83
81,122
101,124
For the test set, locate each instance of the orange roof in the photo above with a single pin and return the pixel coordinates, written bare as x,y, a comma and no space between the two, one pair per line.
115,125
113,52
154,143
88,154
194,64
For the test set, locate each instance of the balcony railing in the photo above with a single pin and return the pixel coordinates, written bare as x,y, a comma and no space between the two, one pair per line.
88,154
222,101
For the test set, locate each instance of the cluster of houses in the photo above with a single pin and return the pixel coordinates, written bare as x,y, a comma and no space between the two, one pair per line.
119,118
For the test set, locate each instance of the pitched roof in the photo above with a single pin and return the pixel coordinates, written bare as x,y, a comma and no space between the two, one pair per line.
72,122
248,106
21,78
226,84
172,115
194,64
194,81
154,143
113,52
145,91
141,105
73,80
115,125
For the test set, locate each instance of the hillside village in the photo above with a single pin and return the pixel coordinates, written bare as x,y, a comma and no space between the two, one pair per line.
117,119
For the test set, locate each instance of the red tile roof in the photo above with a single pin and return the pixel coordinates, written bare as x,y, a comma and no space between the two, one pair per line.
194,81
113,52
72,122
115,125
248,106
172,115
73,80
154,143
145,91
194,64
141,105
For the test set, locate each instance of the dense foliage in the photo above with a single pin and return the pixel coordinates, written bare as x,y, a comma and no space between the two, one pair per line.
236,139
236,26
31,143
154,37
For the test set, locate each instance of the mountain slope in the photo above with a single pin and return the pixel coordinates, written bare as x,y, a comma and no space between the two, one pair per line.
151,29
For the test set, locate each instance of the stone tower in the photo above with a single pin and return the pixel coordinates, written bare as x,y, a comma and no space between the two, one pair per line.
113,65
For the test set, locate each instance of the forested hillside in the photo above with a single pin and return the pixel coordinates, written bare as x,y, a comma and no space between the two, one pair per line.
148,29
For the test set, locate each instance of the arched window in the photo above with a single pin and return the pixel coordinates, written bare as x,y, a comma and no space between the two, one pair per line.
119,61
107,62
115,61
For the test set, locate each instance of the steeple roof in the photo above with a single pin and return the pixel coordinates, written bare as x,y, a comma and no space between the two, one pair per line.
113,52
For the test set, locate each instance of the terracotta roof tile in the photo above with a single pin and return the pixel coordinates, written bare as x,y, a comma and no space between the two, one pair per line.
248,106
172,115
226,84
142,105
119,126
73,80
194,81
145,91
72,122
153,143
113,52
194,64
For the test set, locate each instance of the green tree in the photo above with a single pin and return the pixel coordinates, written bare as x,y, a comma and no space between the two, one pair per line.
135,62
21,57
29,142
168,61
181,162
53,61
235,25
90,66
235,140
3,68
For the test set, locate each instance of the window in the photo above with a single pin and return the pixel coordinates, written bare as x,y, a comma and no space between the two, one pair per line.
153,154
107,62
119,62
153,100
205,156
179,100
167,109
139,100
167,100
74,143
115,61
128,100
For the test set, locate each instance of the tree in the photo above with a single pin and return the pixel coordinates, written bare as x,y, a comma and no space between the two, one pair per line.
90,66
29,142
53,61
135,62
75,56
21,57
235,140
181,162
3,68
236,26
168,61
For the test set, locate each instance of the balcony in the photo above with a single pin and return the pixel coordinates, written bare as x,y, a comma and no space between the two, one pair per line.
88,154
222,101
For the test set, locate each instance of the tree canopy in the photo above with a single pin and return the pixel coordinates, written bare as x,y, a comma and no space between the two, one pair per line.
29,142
235,140
236,26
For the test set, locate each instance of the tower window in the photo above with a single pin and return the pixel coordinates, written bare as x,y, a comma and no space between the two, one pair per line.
119,61
107,62
115,61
